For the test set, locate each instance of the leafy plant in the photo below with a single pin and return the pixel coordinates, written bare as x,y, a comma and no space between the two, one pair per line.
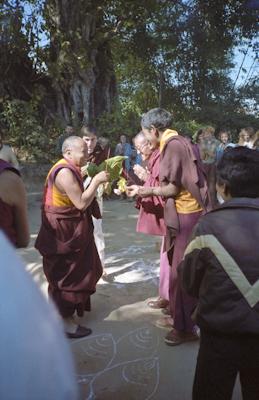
25,131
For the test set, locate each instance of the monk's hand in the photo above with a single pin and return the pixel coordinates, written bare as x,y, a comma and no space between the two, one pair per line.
102,177
140,172
132,190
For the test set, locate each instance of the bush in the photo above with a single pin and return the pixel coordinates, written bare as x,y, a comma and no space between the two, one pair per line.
25,131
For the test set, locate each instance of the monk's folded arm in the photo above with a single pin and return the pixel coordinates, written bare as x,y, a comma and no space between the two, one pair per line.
90,192
166,191
67,183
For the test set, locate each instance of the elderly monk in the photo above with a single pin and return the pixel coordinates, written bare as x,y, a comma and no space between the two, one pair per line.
151,212
13,205
70,259
184,187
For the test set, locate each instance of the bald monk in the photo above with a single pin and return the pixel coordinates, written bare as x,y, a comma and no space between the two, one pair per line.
66,242
13,205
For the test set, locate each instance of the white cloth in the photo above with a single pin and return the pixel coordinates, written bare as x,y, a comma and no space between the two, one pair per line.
35,357
248,144
98,232
220,198
98,223
7,154
99,238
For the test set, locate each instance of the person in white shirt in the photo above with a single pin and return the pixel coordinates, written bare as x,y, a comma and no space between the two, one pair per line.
246,137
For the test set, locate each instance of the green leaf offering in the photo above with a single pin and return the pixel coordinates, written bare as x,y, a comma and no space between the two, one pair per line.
112,165
122,183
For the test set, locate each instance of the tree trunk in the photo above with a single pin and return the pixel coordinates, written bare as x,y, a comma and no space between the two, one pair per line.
81,63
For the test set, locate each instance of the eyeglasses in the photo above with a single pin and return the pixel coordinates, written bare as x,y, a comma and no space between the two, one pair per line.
141,147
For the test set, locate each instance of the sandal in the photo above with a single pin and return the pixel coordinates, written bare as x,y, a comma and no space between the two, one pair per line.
159,303
80,332
165,323
166,310
174,337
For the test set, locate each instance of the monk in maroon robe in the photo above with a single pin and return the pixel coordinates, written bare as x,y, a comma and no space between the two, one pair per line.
151,212
184,187
70,259
13,205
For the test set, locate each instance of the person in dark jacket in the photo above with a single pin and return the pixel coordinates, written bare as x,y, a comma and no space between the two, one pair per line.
221,269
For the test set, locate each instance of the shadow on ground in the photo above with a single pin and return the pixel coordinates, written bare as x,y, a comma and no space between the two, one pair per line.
125,357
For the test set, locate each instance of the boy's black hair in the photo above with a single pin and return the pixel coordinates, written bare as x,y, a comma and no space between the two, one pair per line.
238,169
157,117
88,130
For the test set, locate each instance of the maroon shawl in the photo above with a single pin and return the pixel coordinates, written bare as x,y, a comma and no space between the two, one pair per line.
151,213
98,155
181,165
7,216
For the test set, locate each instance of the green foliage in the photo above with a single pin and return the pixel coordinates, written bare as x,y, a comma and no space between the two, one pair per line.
175,55
118,122
25,131
188,127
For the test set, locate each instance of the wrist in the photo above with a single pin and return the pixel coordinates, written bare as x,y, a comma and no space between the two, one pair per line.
145,191
96,181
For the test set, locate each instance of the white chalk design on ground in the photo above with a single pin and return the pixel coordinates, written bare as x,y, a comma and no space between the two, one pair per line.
139,377
142,338
107,366
120,268
95,353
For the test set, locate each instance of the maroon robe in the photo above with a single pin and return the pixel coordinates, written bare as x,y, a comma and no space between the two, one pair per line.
151,221
98,155
151,213
180,164
7,216
70,259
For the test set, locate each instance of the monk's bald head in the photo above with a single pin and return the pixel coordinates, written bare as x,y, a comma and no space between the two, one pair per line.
74,149
140,138
70,143
142,145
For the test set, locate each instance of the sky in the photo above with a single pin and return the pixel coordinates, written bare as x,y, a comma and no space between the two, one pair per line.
246,67
249,61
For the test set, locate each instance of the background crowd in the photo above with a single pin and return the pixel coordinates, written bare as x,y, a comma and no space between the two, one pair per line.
177,181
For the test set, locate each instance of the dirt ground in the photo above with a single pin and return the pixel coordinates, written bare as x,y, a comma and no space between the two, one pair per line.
125,357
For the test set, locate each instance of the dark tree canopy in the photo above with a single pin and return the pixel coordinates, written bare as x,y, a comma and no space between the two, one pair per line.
108,61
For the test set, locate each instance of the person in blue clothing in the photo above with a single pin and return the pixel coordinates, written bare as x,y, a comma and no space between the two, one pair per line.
225,142
123,148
